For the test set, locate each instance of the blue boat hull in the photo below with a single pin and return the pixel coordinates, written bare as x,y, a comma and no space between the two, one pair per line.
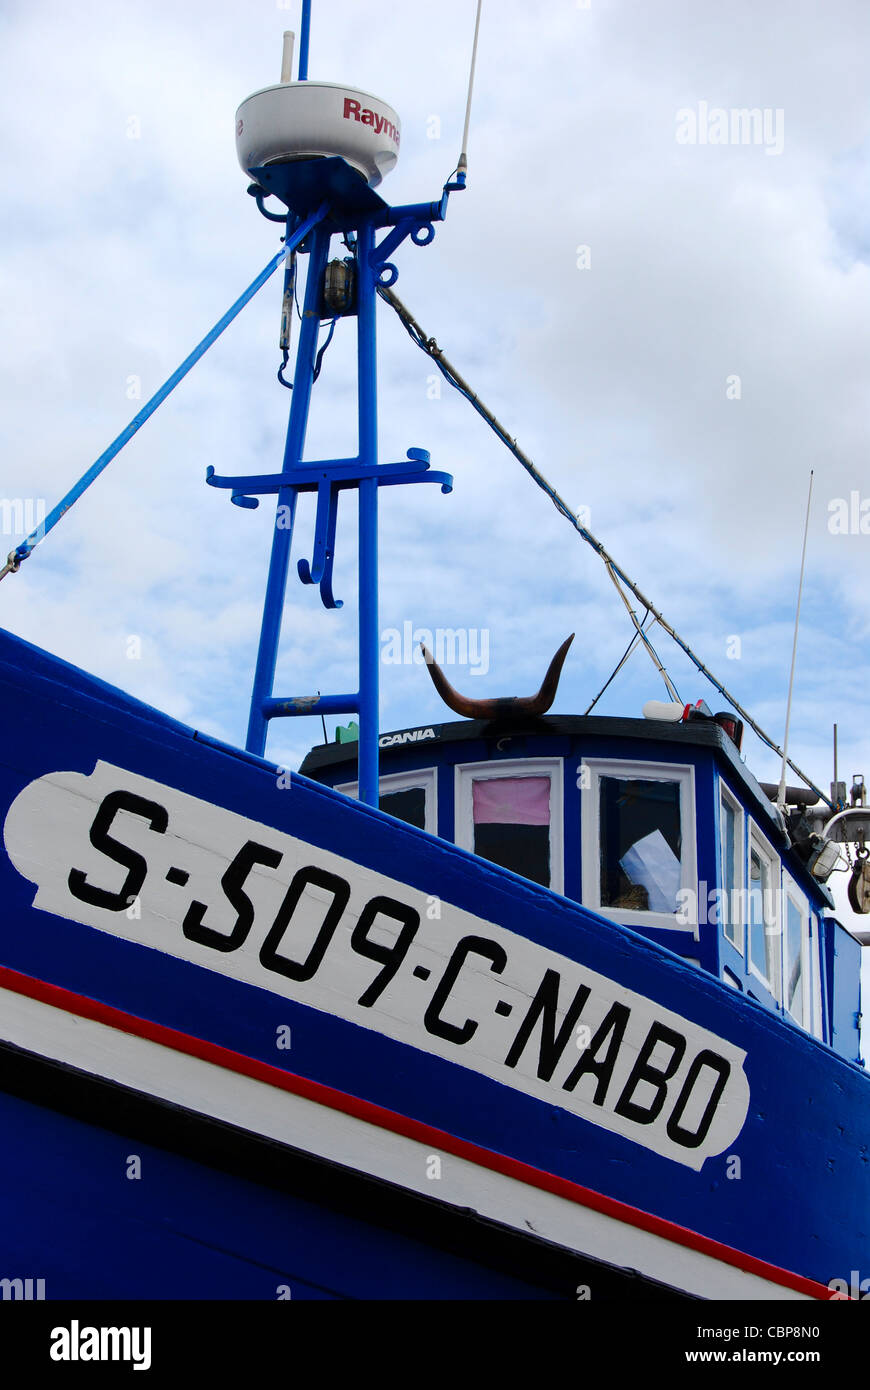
735,1164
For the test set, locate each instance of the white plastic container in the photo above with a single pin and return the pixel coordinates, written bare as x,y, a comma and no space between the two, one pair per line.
304,120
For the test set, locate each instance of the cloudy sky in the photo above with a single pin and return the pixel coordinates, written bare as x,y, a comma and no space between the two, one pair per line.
677,332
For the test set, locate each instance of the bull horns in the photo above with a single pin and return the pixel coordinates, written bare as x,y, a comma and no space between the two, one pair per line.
530,705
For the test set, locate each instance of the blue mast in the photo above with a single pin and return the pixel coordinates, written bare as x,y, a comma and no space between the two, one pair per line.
304,39
343,204
369,645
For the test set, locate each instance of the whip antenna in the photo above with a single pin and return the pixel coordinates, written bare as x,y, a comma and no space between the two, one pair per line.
462,166
781,796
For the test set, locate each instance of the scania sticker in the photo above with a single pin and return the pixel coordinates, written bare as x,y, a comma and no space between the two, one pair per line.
244,900
409,736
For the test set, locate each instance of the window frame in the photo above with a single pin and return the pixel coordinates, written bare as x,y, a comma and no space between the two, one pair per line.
425,778
759,841
818,1028
463,821
727,796
590,838
809,969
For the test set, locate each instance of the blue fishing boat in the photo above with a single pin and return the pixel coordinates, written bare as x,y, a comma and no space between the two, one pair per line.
515,1006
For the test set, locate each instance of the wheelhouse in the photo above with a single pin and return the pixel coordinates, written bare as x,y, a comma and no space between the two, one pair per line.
659,827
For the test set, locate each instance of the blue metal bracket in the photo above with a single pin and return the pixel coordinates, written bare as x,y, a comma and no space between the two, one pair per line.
328,479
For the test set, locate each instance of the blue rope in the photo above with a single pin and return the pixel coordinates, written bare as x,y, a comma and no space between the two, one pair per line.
28,545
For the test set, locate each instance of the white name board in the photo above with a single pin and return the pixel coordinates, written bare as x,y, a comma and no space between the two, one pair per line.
148,863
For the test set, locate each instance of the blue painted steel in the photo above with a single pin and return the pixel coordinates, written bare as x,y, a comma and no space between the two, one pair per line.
304,40
418,214
270,632
319,571
342,473
369,646
314,704
803,1201
329,477
186,1232
303,185
294,239
843,983
260,196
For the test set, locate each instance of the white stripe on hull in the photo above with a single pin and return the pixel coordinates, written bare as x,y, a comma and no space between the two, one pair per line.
303,1124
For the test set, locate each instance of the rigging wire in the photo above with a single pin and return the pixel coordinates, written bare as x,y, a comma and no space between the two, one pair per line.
797,623
669,685
30,542
616,670
322,353
431,348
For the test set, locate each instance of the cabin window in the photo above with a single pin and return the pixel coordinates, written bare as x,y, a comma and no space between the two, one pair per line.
763,904
511,814
409,796
408,805
731,858
639,843
801,967
795,963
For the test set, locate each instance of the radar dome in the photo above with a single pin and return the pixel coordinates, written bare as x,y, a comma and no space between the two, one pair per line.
311,120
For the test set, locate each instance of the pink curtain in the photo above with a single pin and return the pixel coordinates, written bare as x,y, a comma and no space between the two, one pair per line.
511,801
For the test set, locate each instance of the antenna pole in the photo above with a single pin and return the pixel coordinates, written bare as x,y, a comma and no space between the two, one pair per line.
304,38
835,757
462,167
287,59
794,648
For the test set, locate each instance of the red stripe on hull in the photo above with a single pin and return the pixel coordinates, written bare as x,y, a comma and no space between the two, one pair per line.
84,1007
